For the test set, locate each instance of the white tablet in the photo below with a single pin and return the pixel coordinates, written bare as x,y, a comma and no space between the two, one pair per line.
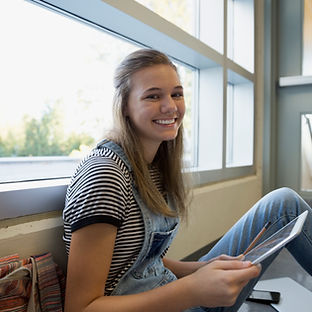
277,240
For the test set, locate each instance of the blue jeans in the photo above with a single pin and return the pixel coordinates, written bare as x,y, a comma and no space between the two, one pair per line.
279,207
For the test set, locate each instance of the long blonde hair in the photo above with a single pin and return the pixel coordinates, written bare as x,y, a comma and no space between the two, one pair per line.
169,155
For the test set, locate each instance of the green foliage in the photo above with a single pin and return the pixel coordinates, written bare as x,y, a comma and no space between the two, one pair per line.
42,137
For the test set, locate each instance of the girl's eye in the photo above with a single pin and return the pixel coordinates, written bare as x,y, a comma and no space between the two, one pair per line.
177,95
153,96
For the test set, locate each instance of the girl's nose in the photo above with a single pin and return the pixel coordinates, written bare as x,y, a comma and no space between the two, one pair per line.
168,105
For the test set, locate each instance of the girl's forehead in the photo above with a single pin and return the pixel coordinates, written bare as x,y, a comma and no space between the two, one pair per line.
157,74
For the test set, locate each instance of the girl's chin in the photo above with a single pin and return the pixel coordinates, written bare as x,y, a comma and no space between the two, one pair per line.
170,137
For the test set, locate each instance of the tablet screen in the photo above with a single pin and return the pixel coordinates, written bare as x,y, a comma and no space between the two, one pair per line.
274,242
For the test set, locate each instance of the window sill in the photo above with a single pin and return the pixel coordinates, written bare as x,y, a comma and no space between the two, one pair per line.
15,186
295,81
28,198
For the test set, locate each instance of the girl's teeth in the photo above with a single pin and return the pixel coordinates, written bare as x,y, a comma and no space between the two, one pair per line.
165,122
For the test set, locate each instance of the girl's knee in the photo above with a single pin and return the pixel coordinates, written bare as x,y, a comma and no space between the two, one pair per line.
282,195
287,192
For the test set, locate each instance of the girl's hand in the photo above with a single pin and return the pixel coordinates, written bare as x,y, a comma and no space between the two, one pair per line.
220,282
184,268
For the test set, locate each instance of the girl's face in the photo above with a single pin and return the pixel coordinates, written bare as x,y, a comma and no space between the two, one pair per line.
155,106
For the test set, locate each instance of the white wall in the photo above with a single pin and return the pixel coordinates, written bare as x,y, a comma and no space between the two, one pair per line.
214,210
34,236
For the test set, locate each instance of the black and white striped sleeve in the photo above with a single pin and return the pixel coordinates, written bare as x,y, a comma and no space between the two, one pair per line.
98,194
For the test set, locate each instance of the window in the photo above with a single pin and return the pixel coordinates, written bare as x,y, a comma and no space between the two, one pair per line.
240,28
210,119
58,85
57,91
63,105
188,78
307,39
211,30
240,122
182,13
306,151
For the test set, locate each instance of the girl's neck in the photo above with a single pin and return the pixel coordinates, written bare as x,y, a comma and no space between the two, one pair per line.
149,152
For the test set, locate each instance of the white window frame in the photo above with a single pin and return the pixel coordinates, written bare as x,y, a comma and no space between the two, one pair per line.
127,19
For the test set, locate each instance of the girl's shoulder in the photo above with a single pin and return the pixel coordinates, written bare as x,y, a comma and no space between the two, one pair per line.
103,159
99,165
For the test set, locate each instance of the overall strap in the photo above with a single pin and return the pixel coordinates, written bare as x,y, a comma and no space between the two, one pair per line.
116,149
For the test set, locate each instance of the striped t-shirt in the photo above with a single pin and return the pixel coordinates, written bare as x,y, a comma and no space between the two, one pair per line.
101,192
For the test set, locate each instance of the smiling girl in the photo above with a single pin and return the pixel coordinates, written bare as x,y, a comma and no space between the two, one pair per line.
125,200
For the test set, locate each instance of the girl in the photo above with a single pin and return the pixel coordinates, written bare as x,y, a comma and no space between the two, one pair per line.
125,200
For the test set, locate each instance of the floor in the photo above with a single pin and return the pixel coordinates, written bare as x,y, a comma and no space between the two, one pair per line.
283,266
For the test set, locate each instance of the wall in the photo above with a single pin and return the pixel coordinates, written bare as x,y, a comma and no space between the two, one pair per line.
292,100
34,235
214,210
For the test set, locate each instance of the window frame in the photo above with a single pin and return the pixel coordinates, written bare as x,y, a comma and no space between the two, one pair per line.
159,34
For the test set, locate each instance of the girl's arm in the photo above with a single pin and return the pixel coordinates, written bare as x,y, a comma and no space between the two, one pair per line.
182,268
214,284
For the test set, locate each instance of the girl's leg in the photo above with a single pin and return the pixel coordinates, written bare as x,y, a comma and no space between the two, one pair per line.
279,207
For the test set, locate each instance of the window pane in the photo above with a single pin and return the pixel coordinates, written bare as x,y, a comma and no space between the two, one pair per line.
212,18
179,12
211,119
57,94
188,78
240,124
56,90
240,31
306,152
307,39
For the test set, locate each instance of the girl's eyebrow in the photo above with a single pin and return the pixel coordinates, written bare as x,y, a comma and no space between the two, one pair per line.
158,89
152,89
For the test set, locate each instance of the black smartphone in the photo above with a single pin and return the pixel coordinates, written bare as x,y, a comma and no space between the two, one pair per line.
264,296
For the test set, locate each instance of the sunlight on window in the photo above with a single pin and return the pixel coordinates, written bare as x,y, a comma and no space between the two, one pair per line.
240,29
211,23
57,86
179,12
240,122
187,76
56,91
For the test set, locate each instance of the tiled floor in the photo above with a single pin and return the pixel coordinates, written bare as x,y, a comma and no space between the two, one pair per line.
283,266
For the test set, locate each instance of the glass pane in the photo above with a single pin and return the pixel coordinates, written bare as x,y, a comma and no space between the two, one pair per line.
56,90
307,38
240,32
239,125
210,135
179,12
212,17
306,152
188,78
56,95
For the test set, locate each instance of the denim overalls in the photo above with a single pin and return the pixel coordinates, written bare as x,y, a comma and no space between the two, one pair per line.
148,271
